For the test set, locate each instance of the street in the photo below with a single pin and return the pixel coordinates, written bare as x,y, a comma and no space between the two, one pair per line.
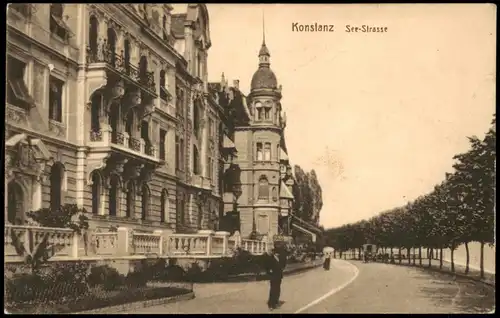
349,287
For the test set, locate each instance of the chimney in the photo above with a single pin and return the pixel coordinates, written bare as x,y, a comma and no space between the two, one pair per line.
236,84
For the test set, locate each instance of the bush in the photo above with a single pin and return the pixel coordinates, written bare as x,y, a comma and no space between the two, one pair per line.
106,276
136,279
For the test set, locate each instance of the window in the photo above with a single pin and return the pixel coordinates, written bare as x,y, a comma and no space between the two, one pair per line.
15,205
22,8
267,151
130,199
180,101
180,209
263,188
211,128
164,94
177,152
181,163
17,91
210,168
259,152
198,65
164,205
260,113
143,71
96,193
163,139
114,195
145,202
145,133
56,186
57,24
93,35
55,99
196,119
196,161
267,113
126,56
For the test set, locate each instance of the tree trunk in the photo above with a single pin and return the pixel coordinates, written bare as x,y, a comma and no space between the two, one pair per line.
359,253
408,250
452,260
467,257
429,256
441,258
482,260
400,255
420,256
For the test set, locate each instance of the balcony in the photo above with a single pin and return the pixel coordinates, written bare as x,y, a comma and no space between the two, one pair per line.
104,56
167,108
122,143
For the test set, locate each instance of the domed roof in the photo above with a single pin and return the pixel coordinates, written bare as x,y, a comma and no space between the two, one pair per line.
264,78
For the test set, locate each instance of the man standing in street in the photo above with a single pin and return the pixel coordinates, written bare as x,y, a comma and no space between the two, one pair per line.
277,262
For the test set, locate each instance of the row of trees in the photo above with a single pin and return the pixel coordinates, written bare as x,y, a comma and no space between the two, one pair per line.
308,195
459,210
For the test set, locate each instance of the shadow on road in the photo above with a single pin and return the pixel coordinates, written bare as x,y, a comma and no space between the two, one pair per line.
465,295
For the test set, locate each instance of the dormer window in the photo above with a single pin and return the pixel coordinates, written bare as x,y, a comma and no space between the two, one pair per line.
57,24
22,8
17,91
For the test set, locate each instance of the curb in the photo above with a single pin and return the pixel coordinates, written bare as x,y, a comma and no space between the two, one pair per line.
139,304
446,272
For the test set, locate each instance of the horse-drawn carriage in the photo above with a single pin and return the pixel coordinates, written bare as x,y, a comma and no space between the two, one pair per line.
369,252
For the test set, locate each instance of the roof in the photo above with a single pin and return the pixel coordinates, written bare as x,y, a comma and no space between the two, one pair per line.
264,78
285,192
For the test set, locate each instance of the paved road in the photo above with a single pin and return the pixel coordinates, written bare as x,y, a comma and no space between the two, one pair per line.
347,288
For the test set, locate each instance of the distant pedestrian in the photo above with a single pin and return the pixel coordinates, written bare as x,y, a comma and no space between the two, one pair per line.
276,264
326,263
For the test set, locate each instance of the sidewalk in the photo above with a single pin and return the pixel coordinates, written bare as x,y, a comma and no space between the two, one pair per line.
473,274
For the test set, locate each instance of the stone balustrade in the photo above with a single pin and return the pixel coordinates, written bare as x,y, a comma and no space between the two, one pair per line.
126,242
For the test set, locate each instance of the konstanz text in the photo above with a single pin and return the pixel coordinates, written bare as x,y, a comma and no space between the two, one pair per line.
313,27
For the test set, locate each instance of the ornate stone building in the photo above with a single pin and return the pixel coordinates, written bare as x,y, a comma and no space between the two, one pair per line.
107,108
260,169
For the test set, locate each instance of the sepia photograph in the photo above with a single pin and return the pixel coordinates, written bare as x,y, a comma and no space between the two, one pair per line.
250,158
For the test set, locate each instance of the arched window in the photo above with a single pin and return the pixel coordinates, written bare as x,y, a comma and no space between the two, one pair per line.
130,199
114,195
93,34
15,203
196,161
126,55
164,206
96,192
111,46
145,202
95,112
57,25
263,188
143,70
196,119
56,186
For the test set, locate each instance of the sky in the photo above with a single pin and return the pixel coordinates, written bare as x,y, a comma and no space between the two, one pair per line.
378,116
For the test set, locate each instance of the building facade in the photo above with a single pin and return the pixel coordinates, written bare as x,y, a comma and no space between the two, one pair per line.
107,108
259,178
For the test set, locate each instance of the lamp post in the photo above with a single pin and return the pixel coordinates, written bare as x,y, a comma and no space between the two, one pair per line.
236,194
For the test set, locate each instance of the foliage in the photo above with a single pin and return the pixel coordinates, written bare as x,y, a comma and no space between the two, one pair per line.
34,255
308,195
458,210
67,216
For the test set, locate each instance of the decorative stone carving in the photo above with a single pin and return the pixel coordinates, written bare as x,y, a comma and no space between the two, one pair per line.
16,115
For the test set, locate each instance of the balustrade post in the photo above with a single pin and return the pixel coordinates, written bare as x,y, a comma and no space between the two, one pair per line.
162,239
123,241
225,240
74,245
209,234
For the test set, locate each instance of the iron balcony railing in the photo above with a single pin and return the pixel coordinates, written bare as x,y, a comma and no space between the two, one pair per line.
104,53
